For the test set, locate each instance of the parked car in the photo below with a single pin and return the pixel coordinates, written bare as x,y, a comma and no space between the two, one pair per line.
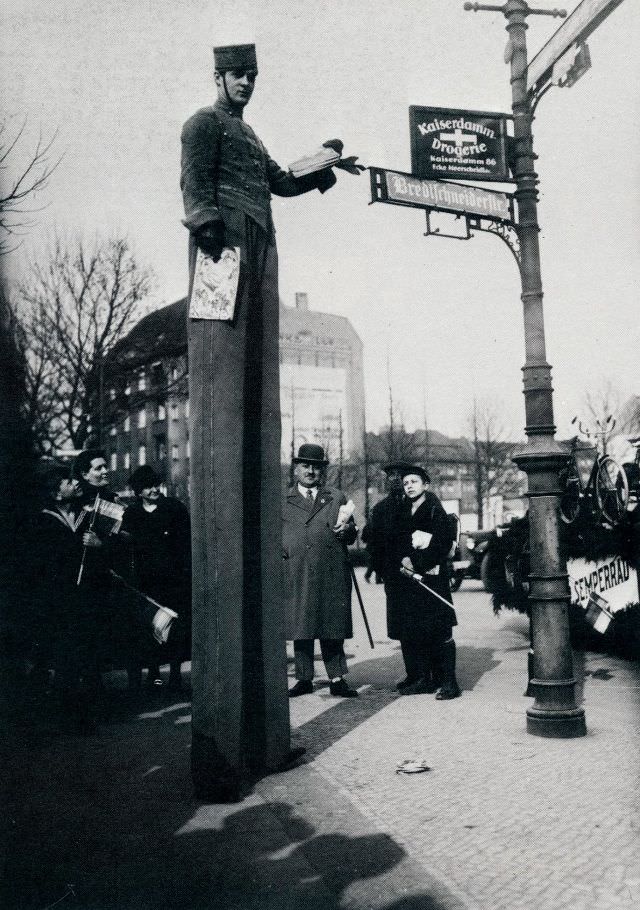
498,557
473,547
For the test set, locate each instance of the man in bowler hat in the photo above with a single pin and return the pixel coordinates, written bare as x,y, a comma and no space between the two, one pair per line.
317,527
240,709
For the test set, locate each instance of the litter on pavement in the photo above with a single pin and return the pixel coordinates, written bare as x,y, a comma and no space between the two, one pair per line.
412,766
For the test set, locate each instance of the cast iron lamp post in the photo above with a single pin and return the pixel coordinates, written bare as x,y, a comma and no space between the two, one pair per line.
554,712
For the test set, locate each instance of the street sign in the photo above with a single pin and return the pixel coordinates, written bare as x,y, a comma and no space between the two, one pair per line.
576,28
457,144
398,188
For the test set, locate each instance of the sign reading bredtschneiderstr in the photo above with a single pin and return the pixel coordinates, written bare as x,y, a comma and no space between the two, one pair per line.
456,144
459,198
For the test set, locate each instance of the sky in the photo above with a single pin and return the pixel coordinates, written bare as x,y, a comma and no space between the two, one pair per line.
117,78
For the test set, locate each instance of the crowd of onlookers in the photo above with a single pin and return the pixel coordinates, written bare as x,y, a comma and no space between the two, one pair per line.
106,581
95,575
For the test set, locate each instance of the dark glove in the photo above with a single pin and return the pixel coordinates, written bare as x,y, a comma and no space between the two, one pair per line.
336,144
210,239
349,165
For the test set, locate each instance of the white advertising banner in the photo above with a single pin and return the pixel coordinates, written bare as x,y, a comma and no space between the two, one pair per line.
313,402
612,578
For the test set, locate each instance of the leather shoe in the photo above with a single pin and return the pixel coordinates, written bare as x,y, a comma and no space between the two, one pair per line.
302,687
419,687
407,681
341,689
445,693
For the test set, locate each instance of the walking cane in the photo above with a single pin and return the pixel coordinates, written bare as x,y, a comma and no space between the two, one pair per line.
91,524
359,595
418,579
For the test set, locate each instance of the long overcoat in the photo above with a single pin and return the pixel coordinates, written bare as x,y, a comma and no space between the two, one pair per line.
317,577
410,607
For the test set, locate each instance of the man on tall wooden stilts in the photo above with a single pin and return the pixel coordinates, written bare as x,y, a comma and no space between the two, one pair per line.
240,704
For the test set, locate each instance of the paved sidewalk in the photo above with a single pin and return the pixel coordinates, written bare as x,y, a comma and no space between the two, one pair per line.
503,820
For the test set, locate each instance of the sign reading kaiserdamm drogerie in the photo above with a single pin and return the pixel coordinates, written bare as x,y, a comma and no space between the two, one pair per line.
457,144
397,188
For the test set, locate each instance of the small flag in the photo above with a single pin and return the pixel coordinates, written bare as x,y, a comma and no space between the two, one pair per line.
598,613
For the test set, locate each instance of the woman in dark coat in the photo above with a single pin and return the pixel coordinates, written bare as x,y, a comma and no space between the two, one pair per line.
419,619
69,623
160,534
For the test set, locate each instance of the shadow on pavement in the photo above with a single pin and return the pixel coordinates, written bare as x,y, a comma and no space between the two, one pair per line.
108,823
380,675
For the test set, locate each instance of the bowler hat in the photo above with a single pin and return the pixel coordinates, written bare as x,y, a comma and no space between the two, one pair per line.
415,469
311,453
235,57
142,477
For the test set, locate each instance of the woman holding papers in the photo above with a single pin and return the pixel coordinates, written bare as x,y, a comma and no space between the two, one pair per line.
422,619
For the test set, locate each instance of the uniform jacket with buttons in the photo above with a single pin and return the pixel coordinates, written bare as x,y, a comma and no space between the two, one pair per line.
224,164
317,576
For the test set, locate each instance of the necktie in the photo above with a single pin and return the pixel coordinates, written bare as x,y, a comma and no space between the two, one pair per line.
309,494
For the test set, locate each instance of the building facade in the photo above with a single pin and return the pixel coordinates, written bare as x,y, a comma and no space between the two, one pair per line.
145,413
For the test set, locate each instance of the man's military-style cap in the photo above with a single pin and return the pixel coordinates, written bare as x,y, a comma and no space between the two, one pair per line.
235,57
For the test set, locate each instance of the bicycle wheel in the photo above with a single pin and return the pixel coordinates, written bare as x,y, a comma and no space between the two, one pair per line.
612,490
570,499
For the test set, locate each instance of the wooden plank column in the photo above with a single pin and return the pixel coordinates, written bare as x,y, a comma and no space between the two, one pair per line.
240,725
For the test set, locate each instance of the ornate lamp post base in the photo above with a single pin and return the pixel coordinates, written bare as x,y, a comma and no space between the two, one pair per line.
556,723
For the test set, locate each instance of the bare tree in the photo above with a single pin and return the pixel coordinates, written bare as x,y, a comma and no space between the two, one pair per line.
340,450
491,450
398,444
601,412
72,310
19,185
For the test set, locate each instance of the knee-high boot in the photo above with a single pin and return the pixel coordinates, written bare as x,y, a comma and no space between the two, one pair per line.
449,687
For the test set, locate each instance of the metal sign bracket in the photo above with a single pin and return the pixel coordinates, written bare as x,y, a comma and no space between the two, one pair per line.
433,231
505,230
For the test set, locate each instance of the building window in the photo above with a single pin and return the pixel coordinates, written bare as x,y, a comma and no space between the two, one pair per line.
112,394
175,453
142,418
112,430
142,383
127,388
142,454
187,410
157,374
161,448
127,461
127,424
114,461
175,411
162,412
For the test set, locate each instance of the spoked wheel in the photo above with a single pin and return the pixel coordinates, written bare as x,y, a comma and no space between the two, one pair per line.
612,490
570,499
